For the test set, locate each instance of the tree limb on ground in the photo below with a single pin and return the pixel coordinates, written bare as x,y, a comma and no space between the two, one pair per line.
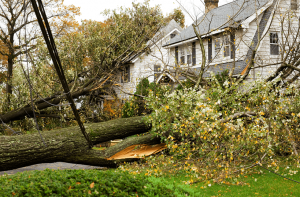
69,145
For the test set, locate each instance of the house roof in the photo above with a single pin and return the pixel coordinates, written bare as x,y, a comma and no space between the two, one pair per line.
172,25
239,66
217,18
160,34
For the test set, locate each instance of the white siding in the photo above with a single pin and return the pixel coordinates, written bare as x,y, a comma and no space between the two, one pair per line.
143,67
281,14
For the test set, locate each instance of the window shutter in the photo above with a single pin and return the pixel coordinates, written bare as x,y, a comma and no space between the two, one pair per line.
232,41
176,56
194,53
128,73
209,49
182,55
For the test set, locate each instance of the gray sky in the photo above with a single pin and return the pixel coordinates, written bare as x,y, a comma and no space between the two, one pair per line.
90,9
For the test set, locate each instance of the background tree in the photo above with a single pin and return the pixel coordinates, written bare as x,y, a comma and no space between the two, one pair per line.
91,54
16,15
178,16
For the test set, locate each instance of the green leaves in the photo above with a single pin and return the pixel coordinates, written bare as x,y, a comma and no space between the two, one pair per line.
215,125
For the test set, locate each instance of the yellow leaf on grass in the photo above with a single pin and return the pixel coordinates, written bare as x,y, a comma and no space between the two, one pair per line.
92,185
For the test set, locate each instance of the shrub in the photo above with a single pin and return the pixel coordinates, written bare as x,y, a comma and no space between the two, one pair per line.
136,105
82,183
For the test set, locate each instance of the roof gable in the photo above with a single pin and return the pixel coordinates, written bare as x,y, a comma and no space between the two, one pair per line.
161,34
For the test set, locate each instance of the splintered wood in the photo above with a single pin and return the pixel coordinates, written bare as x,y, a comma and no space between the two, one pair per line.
138,151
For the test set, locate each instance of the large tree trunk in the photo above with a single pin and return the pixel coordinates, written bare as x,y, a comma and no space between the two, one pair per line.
69,145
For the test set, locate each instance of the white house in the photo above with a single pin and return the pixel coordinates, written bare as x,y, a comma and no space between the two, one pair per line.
231,32
147,65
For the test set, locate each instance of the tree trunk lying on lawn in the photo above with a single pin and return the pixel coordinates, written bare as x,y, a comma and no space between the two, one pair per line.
69,145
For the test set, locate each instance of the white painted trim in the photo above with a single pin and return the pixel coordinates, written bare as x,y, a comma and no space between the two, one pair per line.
192,39
170,33
245,23
180,43
159,78
135,59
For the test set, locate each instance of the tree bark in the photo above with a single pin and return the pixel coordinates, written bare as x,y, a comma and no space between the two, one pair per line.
69,145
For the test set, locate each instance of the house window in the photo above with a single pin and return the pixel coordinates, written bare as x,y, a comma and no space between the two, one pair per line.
274,46
172,35
226,46
157,72
182,56
125,75
189,55
217,47
294,5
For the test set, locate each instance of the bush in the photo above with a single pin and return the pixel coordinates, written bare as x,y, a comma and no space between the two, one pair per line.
83,183
187,84
136,105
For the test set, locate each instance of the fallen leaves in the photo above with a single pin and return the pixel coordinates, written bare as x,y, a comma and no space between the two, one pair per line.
92,185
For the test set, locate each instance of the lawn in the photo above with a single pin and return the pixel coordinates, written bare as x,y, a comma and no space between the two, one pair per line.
118,183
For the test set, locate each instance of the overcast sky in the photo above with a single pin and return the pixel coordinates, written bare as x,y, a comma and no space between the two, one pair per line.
91,9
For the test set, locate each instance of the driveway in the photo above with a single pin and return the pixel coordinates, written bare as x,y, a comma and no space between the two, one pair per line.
55,166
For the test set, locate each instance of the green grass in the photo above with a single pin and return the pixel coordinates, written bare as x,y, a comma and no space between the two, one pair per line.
118,183
263,183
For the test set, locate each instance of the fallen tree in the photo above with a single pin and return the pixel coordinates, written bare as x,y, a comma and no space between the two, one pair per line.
69,145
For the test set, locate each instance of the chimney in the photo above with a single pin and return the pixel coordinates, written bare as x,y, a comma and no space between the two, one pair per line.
210,4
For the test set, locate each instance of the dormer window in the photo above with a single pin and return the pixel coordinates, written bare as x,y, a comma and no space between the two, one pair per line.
274,46
172,35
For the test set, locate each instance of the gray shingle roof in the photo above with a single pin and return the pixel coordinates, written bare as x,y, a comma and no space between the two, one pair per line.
219,68
218,18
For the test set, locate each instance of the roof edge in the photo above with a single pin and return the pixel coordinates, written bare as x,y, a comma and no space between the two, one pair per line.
246,23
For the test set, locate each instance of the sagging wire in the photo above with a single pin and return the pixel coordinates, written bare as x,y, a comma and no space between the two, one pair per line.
14,132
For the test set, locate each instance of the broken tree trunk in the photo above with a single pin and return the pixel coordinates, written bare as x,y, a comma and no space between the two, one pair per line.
69,145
